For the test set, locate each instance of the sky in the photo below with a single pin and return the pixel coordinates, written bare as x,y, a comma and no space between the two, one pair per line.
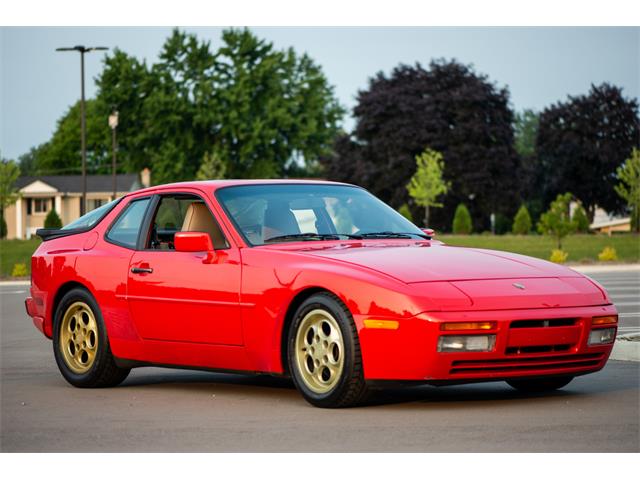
540,66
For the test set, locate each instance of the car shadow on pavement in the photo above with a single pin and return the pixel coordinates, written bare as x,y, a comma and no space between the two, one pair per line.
379,397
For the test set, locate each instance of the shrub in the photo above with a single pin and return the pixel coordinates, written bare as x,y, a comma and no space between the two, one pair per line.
580,219
556,221
522,221
19,270
503,224
406,212
558,256
608,254
462,221
52,220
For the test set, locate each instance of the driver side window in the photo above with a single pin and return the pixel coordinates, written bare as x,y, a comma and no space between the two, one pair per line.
182,213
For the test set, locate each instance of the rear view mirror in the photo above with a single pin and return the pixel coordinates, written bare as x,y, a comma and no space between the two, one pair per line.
192,242
429,231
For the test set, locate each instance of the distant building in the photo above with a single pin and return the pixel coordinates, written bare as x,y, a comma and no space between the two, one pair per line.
610,226
40,194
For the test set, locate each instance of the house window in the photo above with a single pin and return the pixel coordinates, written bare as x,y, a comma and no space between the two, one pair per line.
40,205
93,203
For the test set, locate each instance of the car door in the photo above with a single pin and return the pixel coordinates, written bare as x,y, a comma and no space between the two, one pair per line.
184,296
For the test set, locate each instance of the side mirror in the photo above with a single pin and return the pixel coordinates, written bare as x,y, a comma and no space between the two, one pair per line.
429,231
192,242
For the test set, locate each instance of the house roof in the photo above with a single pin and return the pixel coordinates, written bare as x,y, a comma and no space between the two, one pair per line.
125,182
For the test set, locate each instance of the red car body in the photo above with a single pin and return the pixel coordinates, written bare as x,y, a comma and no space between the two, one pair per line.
233,305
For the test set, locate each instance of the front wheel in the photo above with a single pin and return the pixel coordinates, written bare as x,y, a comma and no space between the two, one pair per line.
324,353
537,385
80,343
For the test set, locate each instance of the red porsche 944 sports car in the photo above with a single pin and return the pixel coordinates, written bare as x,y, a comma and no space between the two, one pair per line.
319,281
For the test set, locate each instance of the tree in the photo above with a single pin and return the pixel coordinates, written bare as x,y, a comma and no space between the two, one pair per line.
278,108
556,221
211,168
525,132
427,184
462,224
522,221
581,143
447,107
52,220
9,173
580,219
266,112
629,186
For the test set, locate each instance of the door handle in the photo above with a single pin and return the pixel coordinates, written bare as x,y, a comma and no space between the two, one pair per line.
141,270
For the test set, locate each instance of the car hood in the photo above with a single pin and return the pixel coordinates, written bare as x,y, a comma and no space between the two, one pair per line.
427,262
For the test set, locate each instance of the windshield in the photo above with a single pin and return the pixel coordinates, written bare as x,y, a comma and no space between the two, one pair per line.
89,219
282,212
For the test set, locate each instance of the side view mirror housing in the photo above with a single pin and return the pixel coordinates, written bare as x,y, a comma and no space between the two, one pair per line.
192,242
429,231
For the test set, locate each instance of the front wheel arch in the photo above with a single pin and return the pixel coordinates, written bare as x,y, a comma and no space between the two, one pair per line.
288,320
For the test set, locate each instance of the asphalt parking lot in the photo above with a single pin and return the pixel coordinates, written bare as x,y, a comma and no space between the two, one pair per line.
177,410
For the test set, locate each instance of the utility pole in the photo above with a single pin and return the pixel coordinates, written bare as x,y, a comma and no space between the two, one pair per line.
113,123
83,134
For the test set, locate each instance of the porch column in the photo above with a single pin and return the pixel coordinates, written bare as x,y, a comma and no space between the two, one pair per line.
58,205
19,218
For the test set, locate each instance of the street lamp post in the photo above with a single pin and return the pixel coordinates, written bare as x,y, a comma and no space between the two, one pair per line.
113,123
83,136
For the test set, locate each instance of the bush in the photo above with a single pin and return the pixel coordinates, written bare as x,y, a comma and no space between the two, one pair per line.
19,270
406,212
462,221
503,224
608,254
522,221
558,256
52,220
580,219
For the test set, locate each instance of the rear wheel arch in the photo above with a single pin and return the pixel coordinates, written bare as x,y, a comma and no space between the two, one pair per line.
62,291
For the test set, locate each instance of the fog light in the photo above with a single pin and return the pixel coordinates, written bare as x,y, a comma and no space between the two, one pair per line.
602,335
466,343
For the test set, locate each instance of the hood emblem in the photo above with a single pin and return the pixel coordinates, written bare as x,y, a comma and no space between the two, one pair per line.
519,285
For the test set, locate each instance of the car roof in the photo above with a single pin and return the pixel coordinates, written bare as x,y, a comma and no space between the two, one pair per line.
217,184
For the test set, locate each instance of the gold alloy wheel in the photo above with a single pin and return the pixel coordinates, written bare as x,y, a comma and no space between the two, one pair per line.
79,337
319,351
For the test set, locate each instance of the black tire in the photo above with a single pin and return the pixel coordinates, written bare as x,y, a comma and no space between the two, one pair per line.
539,385
350,388
103,372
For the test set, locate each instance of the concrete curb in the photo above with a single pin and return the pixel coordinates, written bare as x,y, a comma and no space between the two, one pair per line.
625,267
626,350
627,347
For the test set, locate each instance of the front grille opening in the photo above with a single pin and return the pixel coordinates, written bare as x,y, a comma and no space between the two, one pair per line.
551,322
538,349
526,364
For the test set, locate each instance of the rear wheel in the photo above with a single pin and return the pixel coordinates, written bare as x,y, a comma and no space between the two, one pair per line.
324,353
80,343
539,384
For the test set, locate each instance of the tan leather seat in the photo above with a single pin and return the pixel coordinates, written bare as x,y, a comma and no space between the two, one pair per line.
199,219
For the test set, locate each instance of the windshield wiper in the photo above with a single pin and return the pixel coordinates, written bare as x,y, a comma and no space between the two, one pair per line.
304,237
392,235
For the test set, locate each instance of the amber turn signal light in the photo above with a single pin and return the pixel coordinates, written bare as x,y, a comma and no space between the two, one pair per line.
383,324
468,326
604,320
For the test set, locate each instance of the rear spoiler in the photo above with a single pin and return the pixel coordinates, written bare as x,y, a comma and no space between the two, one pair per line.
51,233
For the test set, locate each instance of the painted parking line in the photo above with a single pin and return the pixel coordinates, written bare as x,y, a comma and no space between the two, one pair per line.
12,292
632,314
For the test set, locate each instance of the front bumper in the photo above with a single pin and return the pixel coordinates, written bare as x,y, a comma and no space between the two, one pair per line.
556,347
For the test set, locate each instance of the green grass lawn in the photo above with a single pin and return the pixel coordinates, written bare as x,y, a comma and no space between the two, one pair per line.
16,251
581,248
